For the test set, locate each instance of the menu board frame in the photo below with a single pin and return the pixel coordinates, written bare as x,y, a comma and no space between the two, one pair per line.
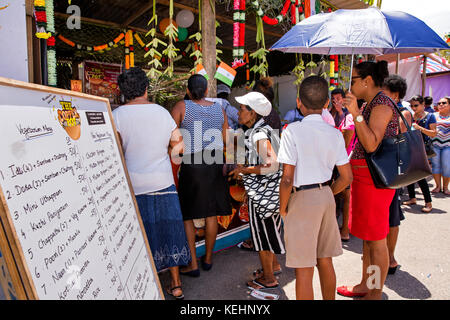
10,245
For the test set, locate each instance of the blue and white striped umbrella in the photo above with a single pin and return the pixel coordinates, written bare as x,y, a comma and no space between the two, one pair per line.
362,31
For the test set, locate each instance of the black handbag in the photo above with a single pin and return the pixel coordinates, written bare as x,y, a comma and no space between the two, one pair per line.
399,161
429,149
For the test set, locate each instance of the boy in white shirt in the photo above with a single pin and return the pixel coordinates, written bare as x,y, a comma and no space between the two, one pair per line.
309,151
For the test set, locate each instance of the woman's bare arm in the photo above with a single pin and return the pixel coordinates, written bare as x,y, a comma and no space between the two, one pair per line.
178,112
370,135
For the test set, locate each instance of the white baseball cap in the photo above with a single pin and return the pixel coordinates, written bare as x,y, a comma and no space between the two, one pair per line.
257,101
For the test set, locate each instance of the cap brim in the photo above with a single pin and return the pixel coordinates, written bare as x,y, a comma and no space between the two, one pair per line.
241,100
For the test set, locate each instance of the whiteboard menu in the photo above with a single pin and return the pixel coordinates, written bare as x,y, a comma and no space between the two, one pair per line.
67,198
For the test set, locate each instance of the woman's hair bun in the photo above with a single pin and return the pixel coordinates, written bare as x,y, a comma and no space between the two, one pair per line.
266,82
197,85
382,69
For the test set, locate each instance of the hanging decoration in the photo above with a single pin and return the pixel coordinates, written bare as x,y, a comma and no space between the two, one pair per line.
197,54
299,70
260,56
185,18
139,40
218,41
334,71
40,15
102,47
51,50
247,72
279,18
129,50
153,46
182,34
172,33
238,33
307,6
165,23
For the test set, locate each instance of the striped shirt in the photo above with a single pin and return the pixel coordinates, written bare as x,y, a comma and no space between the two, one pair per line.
442,139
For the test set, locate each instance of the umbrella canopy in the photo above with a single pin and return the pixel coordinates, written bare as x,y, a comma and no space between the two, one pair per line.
362,31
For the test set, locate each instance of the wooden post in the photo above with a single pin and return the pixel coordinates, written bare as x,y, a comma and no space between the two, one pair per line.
397,62
209,44
29,17
424,75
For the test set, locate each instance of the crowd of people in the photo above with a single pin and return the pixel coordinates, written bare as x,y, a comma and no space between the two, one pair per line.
297,180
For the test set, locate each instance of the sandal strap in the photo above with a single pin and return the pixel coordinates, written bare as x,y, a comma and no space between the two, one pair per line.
177,287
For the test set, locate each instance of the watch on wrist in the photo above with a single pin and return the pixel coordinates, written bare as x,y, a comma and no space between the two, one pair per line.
359,118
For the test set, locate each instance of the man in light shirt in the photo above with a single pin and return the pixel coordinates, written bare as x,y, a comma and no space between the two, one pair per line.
309,151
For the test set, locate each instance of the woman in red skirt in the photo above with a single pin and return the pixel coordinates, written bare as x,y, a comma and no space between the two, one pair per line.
369,212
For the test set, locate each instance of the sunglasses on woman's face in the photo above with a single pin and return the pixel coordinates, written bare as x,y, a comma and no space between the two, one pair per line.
415,105
439,103
353,79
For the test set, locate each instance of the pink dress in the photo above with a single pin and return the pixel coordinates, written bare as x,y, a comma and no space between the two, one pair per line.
349,124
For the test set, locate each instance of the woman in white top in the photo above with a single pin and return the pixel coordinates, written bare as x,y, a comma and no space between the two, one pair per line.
148,133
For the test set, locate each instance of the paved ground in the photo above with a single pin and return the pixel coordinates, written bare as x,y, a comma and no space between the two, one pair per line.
423,252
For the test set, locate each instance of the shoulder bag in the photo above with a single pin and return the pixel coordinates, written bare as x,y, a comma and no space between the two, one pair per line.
399,161
264,190
427,140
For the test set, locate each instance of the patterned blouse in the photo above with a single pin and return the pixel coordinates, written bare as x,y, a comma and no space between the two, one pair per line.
393,125
442,140
202,127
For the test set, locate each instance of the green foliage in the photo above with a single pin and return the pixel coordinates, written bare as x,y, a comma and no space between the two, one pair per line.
166,90
299,70
154,54
260,55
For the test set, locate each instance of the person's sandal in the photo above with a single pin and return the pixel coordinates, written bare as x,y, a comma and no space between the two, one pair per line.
343,291
246,247
258,272
409,202
427,209
436,190
170,292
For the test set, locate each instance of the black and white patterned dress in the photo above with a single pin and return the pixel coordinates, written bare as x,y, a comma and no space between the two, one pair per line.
266,234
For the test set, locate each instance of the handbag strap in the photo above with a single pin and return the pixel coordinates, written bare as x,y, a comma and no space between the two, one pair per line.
408,127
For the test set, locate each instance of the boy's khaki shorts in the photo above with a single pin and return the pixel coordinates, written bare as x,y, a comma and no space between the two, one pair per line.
310,228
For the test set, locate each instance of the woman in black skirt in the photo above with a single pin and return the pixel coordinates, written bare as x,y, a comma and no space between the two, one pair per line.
261,159
203,189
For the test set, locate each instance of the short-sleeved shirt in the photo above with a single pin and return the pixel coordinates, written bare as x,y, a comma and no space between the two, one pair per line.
392,128
293,115
327,117
231,112
425,122
442,139
314,148
429,109
146,130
